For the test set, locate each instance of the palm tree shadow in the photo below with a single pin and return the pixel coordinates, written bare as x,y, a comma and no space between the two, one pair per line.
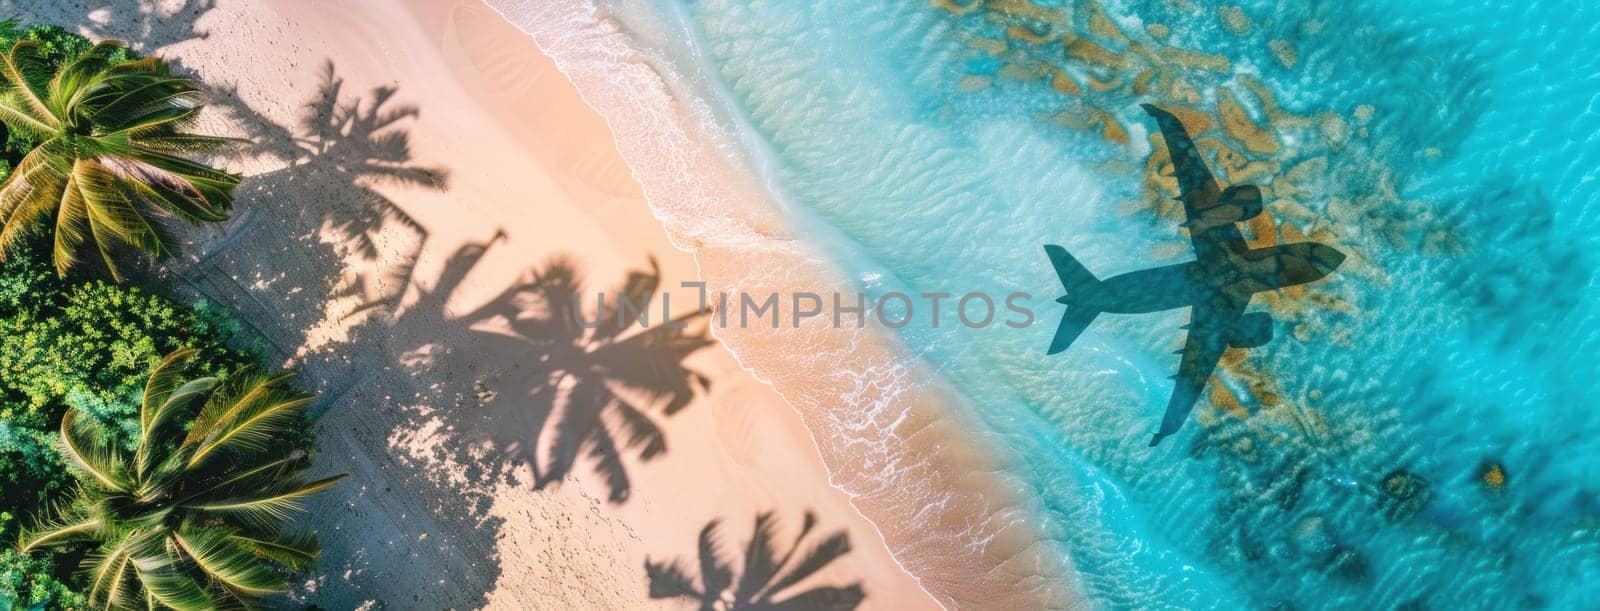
147,25
308,233
317,227
548,392
353,143
767,576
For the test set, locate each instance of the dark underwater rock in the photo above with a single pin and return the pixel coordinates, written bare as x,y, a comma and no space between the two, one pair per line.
1493,475
1349,563
1403,494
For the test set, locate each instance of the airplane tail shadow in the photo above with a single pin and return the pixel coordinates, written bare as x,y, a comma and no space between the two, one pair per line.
1076,279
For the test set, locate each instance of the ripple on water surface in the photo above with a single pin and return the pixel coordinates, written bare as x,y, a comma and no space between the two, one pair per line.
1422,429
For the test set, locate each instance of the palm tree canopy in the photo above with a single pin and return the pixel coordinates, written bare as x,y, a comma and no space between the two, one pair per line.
191,519
112,153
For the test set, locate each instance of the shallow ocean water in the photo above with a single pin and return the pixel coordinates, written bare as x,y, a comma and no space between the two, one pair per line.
1422,430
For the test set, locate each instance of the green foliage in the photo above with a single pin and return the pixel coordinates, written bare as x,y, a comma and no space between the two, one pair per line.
95,339
111,159
86,344
91,343
99,131
31,475
191,516
56,44
29,582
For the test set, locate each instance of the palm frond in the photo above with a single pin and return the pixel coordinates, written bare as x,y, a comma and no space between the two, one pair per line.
243,417
78,77
115,128
112,584
158,431
164,378
71,226
160,141
134,92
249,480
179,534
24,72
72,528
34,187
215,184
273,506
164,579
144,104
112,216
228,561
171,193
299,553
86,450
13,111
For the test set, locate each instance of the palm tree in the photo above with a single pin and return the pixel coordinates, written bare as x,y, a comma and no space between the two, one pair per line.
766,577
191,519
111,156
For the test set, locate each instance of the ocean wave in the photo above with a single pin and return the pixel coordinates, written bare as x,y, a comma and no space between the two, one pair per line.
894,437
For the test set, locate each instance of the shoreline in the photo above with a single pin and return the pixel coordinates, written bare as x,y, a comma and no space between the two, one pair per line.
716,331
533,174
535,171
930,401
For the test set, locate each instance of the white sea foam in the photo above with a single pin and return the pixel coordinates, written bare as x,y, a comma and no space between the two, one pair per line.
944,512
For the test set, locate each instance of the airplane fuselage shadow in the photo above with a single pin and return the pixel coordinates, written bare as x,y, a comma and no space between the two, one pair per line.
1217,285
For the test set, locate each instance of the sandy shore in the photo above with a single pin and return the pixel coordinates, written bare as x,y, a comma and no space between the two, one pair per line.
899,439
387,271
420,171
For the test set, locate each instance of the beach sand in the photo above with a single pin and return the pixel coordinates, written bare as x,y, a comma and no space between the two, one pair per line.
906,445
320,233
415,168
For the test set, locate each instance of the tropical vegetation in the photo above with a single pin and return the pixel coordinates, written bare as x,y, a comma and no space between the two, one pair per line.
92,151
83,343
190,518
109,154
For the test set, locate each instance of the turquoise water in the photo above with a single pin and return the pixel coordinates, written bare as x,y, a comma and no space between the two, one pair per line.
1460,173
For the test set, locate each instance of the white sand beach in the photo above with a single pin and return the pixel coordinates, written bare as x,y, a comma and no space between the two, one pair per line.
415,168
528,161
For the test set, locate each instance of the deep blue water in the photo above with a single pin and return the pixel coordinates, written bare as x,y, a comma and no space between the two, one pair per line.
1460,174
